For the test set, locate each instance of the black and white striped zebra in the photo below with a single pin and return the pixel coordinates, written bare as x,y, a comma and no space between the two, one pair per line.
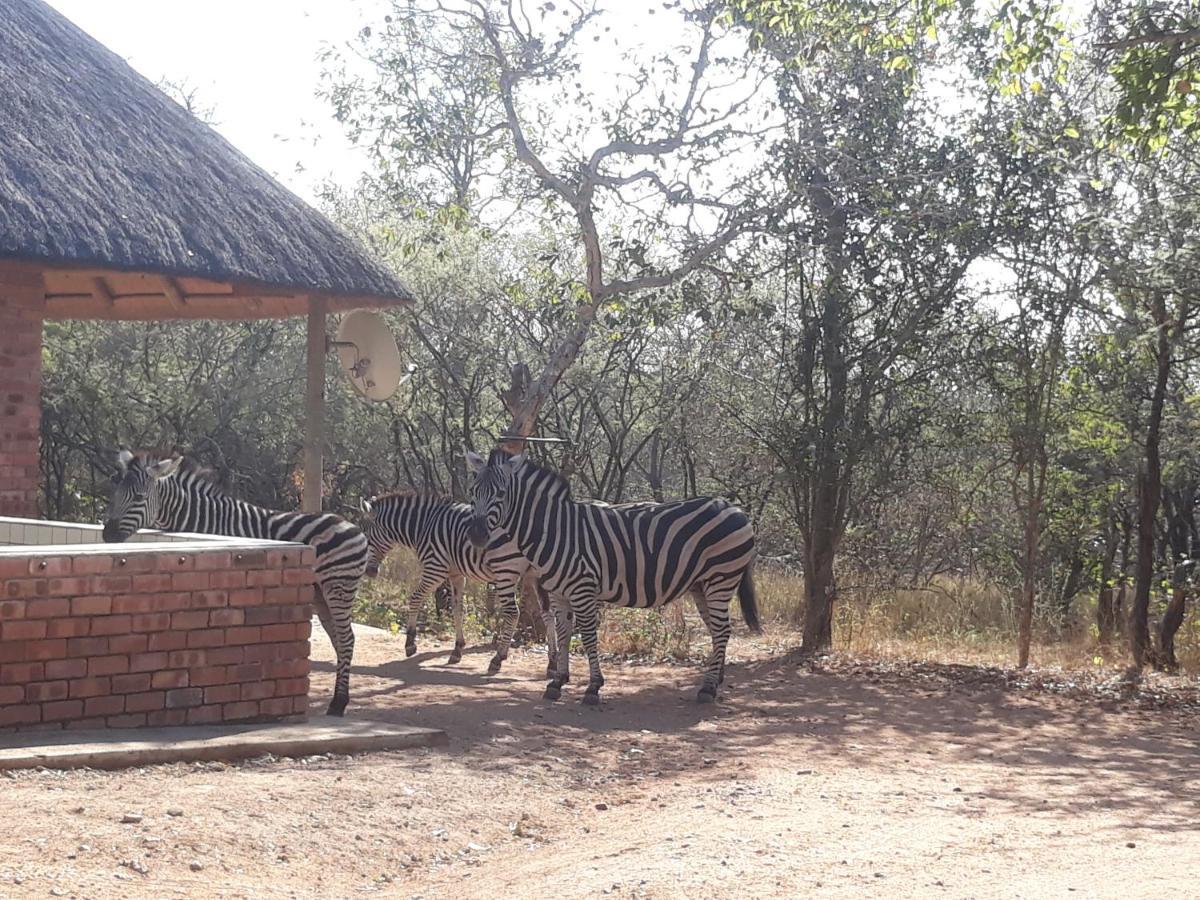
640,555
436,530
173,495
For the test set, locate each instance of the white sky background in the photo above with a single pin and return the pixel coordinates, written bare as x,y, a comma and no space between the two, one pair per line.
255,63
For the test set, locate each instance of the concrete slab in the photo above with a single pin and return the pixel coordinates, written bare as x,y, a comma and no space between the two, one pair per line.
122,748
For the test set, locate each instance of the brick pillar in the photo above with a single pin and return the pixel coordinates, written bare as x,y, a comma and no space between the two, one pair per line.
22,302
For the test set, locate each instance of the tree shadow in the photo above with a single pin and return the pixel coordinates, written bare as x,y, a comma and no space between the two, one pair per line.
1033,752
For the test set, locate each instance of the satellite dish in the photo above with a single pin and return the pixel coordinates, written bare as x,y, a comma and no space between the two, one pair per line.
369,356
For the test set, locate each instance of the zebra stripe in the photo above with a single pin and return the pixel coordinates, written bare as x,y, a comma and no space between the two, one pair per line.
436,530
640,555
173,495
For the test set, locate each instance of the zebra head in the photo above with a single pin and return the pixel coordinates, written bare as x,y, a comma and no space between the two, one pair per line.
490,491
136,498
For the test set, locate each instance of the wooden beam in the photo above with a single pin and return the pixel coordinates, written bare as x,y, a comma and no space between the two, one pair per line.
103,294
174,294
314,405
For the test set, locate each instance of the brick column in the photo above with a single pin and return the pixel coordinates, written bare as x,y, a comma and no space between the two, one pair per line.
22,301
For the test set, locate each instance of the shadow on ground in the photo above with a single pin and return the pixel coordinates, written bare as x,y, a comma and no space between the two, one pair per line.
1135,760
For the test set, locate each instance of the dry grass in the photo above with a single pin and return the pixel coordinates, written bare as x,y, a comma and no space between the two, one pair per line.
383,601
950,621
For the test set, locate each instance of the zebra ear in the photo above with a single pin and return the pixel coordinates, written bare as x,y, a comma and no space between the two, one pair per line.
124,458
166,467
475,462
514,462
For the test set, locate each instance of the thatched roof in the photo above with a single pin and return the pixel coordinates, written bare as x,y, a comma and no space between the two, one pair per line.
101,172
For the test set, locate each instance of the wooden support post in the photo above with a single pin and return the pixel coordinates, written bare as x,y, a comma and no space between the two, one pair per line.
314,405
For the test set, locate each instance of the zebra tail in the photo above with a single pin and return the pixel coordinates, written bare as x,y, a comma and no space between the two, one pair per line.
748,601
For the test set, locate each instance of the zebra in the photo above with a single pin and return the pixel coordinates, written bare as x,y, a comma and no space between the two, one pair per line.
172,494
640,555
436,530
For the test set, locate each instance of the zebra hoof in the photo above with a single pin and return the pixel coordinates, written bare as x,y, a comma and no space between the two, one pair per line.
494,665
410,649
455,656
591,698
706,695
552,692
337,706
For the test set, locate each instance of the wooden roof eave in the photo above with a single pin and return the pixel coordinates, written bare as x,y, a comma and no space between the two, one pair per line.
91,293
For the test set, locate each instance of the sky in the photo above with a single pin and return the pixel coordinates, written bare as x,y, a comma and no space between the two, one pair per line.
253,61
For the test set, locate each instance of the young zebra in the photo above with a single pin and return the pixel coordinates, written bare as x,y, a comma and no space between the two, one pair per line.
174,495
436,530
640,555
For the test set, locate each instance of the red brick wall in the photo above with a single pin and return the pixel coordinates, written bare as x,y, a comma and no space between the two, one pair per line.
153,637
22,298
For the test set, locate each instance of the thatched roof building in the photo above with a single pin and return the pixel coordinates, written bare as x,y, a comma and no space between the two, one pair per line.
115,203
102,174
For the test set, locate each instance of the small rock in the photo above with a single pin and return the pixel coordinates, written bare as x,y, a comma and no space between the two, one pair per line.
77,810
195,865
57,892
174,812
131,818
805,772
1131,845
602,806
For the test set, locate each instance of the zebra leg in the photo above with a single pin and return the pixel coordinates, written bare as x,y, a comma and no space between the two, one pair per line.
551,641
429,581
336,708
550,627
336,621
588,619
563,623
716,617
702,608
457,583
509,612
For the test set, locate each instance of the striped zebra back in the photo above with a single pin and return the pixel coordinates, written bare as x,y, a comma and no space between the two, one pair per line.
192,501
431,526
639,554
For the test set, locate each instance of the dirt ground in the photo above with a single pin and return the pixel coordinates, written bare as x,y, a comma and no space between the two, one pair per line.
834,782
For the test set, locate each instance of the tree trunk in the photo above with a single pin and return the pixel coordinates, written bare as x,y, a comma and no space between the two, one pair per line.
1035,486
1171,621
1070,588
1106,619
820,590
1028,588
1149,494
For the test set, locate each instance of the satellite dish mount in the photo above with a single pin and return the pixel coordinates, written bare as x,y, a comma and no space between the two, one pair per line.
368,355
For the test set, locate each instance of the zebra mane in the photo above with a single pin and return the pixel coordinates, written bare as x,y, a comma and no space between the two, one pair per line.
413,493
502,456
201,477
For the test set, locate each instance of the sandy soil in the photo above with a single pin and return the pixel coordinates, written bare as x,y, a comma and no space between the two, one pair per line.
797,783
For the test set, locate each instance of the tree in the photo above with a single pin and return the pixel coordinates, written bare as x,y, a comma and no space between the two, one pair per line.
1152,51
650,179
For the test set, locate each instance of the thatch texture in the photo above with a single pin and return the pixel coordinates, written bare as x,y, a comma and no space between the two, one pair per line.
98,168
